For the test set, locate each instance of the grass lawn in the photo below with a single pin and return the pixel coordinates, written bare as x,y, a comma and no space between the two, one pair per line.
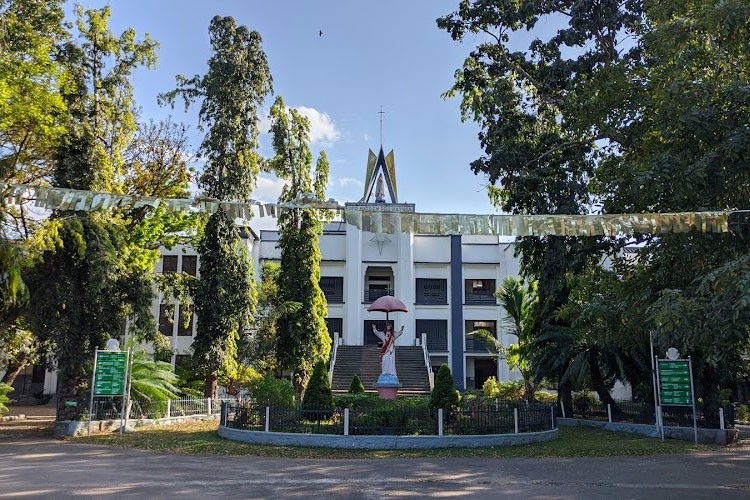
200,438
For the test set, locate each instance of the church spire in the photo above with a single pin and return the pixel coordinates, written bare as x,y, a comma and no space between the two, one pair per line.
380,182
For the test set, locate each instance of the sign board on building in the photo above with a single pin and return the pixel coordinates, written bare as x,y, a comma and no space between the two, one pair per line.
110,371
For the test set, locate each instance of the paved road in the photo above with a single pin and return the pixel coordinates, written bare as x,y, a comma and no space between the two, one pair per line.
44,468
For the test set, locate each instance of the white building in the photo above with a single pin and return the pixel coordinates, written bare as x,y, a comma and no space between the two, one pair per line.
447,283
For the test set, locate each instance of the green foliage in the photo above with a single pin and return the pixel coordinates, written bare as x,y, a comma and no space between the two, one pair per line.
356,387
318,394
444,394
5,389
562,120
152,380
258,345
355,401
520,304
234,87
545,397
81,294
302,335
224,297
507,391
273,392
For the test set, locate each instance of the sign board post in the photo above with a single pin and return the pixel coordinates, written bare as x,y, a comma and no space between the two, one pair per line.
675,386
109,377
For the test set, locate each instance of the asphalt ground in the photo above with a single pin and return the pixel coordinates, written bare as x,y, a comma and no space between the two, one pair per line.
34,466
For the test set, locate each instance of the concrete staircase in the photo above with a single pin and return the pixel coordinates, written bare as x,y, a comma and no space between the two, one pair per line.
365,362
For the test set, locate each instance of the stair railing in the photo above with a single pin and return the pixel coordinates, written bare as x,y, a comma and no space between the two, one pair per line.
427,363
336,341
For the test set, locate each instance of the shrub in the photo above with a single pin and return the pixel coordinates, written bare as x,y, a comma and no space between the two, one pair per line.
5,389
356,387
508,391
444,395
318,395
357,401
545,397
273,392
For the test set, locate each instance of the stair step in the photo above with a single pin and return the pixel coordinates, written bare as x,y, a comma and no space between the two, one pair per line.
365,362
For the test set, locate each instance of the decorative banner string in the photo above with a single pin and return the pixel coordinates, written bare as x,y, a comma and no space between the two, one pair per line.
387,221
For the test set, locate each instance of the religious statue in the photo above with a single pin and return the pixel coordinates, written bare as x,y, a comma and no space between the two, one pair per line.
380,190
388,350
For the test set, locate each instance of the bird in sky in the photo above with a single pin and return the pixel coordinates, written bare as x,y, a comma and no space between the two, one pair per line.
321,33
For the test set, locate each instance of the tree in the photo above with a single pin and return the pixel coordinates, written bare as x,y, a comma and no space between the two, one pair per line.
224,298
236,83
318,398
444,394
89,277
518,302
653,97
538,158
303,338
5,389
356,387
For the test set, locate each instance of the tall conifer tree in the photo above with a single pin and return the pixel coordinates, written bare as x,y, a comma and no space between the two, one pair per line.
237,82
303,337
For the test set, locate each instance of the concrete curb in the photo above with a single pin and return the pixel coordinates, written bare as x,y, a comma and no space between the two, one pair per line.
705,436
384,442
64,428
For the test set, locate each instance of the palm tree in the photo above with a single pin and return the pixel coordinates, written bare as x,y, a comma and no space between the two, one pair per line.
151,381
519,302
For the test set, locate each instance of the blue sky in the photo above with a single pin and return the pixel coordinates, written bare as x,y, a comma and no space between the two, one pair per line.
387,53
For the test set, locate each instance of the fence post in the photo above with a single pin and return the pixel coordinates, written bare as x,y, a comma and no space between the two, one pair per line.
346,421
169,408
562,408
609,412
552,412
208,406
224,411
440,421
268,418
515,419
721,419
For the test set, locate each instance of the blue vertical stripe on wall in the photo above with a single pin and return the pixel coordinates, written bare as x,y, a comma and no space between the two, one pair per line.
457,313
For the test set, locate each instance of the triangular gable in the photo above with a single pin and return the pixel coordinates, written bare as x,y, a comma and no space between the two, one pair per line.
385,169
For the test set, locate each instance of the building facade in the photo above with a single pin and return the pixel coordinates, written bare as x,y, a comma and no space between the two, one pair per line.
447,282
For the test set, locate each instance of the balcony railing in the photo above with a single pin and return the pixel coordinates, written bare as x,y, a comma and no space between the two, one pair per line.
475,299
373,294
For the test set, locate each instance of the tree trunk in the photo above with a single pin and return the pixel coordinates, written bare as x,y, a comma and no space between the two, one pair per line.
598,381
528,387
71,390
565,397
212,386
12,372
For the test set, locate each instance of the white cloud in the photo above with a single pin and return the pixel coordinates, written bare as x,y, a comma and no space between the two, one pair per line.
348,181
322,128
268,189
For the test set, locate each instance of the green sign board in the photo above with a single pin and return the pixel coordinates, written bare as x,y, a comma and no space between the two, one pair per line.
674,382
109,378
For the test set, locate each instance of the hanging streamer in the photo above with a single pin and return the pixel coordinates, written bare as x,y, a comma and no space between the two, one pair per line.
384,220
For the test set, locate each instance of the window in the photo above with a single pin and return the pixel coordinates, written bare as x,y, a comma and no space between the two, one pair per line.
437,333
476,343
335,325
169,264
189,264
182,330
166,319
480,292
333,288
432,291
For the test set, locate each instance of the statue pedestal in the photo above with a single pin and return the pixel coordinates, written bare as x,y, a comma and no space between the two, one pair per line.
387,386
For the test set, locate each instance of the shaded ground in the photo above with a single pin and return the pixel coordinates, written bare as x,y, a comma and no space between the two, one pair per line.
39,467
61,469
